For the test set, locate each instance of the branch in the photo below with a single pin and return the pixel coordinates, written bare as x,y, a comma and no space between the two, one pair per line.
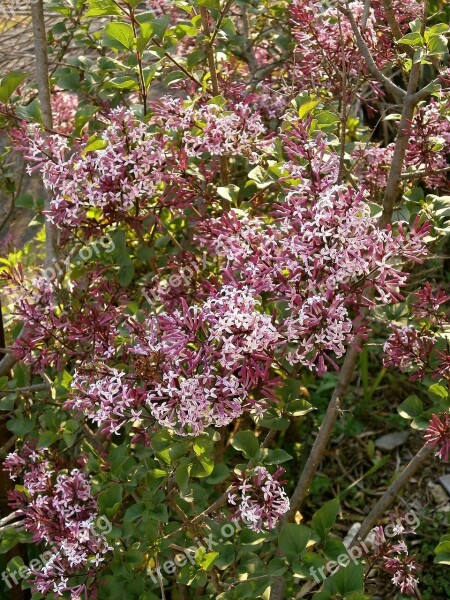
392,21
423,173
410,101
215,86
320,443
389,495
364,49
42,79
38,387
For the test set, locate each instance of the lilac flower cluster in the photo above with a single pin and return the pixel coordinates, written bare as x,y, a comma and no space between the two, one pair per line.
396,559
427,151
438,435
64,108
207,360
59,510
213,129
325,41
109,401
316,256
260,499
415,347
86,329
122,174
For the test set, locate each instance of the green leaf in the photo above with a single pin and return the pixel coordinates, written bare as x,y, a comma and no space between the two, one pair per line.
305,104
182,473
324,519
347,580
94,143
277,456
174,77
261,177
293,539
47,438
121,32
147,30
126,274
100,8
392,117
161,440
437,392
277,567
134,512
204,450
195,57
124,83
411,408
109,500
207,560
9,539
208,3
412,39
160,25
24,201
230,192
21,425
9,84
134,556
436,30
246,442
437,44
220,474
298,408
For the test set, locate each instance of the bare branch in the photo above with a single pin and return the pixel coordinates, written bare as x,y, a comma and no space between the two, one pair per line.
42,79
386,499
364,49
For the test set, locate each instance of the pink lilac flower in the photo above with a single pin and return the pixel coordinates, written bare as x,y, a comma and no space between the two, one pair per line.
428,301
394,556
438,435
85,329
404,572
316,255
64,109
320,34
109,400
59,510
123,178
428,142
260,499
409,349
210,128
207,358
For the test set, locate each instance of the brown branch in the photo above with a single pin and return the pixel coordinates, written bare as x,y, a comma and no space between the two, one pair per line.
215,86
42,79
364,49
389,495
393,185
